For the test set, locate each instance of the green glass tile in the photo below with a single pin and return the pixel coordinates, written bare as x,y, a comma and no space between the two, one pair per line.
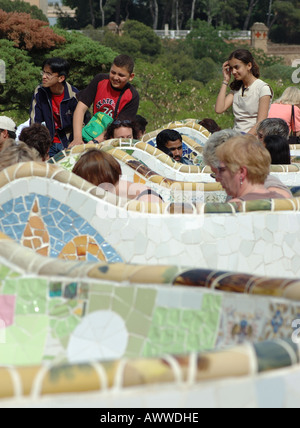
65,327
101,288
4,272
174,317
83,292
70,290
159,317
98,302
25,341
127,294
55,289
60,310
145,300
31,294
121,308
134,346
185,330
137,323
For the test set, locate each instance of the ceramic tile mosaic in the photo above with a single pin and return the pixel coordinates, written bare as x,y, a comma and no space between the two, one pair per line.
120,305
110,311
71,221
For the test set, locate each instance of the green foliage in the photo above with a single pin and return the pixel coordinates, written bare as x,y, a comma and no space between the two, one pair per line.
287,26
23,6
21,77
278,72
137,40
205,40
86,57
163,99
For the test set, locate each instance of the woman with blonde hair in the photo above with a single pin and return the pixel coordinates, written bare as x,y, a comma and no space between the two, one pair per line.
282,108
244,165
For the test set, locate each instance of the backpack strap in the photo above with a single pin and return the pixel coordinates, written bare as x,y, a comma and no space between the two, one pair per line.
293,123
119,99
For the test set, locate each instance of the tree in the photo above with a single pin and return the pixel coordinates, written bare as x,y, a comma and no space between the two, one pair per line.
137,40
23,6
205,40
287,25
86,57
27,33
252,5
22,76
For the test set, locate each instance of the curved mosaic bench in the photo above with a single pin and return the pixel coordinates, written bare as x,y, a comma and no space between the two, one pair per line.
79,328
189,128
58,214
172,190
265,375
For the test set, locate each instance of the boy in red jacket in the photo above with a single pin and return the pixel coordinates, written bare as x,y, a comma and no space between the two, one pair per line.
109,93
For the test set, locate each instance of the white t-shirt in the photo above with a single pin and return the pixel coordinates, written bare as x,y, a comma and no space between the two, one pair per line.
245,104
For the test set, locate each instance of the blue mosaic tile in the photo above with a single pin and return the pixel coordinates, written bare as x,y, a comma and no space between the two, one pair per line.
43,201
57,215
55,233
48,220
23,217
65,209
66,223
9,232
8,206
59,246
53,204
87,229
62,223
68,236
78,222
10,219
29,201
91,258
19,230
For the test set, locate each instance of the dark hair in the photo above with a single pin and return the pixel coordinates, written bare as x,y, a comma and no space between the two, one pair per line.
12,134
210,125
279,149
141,123
124,61
164,136
245,56
38,137
58,65
118,123
98,167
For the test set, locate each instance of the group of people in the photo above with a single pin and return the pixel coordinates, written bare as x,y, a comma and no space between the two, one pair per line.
60,113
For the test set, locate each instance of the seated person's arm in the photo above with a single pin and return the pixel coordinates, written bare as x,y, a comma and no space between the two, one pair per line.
78,119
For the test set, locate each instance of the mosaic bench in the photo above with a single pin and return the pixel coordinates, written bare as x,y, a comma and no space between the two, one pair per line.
60,215
189,128
172,190
100,332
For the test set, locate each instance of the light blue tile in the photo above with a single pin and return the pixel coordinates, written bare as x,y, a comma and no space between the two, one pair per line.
29,201
10,219
49,221
270,393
